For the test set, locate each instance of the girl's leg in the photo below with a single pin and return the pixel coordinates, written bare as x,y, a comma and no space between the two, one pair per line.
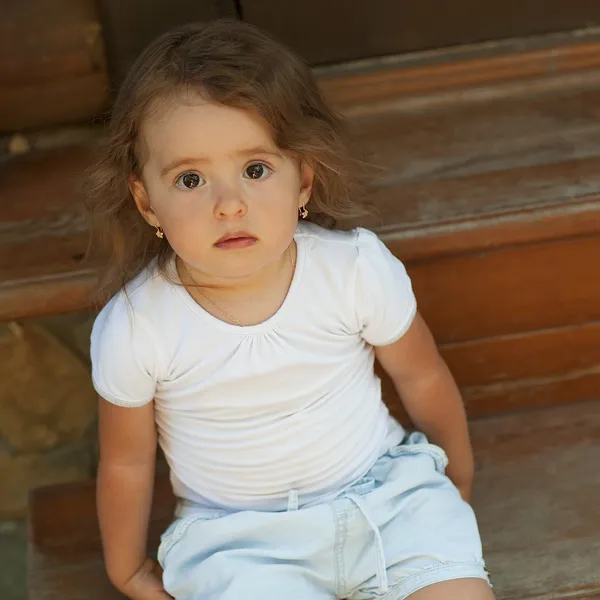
465,589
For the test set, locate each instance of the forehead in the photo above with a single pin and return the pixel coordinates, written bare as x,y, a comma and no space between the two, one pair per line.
197,127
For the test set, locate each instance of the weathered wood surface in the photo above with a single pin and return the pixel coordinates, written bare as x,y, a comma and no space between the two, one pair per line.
130,26
536,497
525,370
339,31
44,234
457,178
493,69
493,205
52,63
537,501
541,354
510,290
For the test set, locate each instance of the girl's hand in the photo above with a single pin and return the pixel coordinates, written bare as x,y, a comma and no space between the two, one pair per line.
146,583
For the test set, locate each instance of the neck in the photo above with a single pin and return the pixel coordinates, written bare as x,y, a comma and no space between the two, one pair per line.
236,286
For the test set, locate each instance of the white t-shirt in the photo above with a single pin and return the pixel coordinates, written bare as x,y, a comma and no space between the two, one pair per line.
247,414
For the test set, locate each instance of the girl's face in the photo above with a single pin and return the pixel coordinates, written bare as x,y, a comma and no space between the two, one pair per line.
226,197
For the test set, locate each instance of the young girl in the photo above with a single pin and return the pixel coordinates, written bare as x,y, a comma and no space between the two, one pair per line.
243,338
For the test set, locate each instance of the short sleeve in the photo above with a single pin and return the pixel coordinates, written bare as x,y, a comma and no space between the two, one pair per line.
123,355
385,302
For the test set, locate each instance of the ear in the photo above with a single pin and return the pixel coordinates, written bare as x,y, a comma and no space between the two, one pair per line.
141,199
307,177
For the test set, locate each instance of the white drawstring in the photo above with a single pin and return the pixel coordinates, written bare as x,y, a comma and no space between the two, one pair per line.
379,550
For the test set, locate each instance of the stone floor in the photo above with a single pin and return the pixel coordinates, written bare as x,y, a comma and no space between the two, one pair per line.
13,549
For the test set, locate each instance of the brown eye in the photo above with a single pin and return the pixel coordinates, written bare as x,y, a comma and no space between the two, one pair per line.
258,171
189,181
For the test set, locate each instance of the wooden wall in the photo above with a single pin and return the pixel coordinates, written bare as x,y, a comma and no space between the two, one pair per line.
52,65
329,31
60,60
129,26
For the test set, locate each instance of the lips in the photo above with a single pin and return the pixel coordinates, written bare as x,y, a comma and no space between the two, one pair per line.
237,239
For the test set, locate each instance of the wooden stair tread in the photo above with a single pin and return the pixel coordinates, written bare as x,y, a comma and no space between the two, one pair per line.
477,158
443,166
536,499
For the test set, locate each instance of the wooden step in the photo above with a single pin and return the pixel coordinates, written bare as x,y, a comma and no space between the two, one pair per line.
452,166
489,191
536,497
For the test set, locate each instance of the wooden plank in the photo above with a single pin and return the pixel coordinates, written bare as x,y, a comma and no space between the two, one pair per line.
358,87
536,355
424,202
504,397
535,497
50,49
130,26
525,394
578,217
448,142
62,518
509,290
339,32
54,578
65,552
49,295
522,371
79,100
44,235
39,258
42,186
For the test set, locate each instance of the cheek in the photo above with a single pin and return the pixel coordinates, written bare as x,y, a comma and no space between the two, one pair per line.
279,194
190,240
175,206
184,220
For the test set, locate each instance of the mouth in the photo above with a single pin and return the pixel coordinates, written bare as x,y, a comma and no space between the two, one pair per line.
237,239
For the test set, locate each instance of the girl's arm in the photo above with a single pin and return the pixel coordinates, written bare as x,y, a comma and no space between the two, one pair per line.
431,398
124,496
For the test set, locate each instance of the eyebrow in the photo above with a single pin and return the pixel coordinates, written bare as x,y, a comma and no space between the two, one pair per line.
179,162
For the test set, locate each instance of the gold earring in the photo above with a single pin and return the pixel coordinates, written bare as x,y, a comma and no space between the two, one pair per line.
303,212
159,232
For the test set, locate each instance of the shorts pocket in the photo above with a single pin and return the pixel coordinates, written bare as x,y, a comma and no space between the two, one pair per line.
177,529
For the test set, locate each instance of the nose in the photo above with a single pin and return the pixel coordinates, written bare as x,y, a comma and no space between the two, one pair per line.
229,203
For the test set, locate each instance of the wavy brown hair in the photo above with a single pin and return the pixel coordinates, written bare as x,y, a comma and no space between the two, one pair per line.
234,64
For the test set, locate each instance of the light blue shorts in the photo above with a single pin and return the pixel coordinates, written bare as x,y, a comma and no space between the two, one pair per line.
400,528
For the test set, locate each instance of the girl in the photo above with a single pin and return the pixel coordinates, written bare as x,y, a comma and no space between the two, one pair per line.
243,339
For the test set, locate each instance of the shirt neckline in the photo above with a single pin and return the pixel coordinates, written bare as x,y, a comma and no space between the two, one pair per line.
266,325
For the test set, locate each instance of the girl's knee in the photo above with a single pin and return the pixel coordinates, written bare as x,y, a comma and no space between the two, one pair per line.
465,589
